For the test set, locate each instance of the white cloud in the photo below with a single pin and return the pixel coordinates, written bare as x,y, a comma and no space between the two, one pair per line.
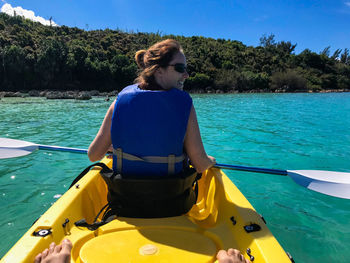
347,4
8,9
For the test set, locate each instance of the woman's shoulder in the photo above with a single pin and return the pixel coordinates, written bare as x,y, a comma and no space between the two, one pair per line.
129,89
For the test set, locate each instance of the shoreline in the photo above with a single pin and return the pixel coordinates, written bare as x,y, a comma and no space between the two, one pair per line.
54,94
233,91
87,95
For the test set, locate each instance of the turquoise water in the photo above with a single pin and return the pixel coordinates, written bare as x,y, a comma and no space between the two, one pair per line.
283,131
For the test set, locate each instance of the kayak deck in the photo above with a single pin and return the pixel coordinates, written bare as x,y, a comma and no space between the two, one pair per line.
153,242
217,221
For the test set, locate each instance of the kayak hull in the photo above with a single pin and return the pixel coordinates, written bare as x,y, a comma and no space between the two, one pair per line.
221,219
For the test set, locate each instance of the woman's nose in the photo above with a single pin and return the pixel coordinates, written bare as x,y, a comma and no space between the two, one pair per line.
185,75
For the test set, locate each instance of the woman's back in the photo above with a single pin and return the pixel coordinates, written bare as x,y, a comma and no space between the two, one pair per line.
150,123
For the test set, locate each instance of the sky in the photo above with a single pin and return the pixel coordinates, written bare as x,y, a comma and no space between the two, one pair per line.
310,24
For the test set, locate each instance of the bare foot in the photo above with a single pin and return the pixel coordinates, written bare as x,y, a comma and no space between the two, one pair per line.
231,256
55,254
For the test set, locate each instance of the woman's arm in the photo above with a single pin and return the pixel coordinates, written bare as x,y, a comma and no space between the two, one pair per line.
102,142
194,145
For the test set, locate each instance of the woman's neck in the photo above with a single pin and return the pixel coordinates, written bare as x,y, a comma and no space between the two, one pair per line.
153,85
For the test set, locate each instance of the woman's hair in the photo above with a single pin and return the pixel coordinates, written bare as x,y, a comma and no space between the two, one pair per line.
157,56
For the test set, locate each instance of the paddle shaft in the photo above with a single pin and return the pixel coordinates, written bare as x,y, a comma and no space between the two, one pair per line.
251,169
327,182
62,149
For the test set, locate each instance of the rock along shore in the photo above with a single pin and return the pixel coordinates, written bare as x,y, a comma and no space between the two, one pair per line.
87,95
49,94
210,90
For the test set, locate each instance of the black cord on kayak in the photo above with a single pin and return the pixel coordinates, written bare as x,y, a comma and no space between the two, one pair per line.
105,169
103,208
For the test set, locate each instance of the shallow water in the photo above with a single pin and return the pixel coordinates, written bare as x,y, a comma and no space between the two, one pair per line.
283,131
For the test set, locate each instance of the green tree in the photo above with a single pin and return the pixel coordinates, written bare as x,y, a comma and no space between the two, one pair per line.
51,63
36,56
288,81
13,67
198,81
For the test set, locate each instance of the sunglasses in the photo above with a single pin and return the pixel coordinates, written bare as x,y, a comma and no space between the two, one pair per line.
179,67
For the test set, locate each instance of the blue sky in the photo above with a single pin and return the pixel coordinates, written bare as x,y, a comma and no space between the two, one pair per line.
309,24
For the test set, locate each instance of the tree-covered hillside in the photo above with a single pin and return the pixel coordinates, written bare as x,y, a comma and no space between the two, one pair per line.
34,56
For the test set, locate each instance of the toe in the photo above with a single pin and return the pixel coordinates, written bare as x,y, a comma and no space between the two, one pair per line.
44,254
38,258
221,254
66,245
58,248
233,252
52,247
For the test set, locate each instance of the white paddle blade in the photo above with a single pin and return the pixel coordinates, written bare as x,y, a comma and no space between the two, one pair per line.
10,148
326,182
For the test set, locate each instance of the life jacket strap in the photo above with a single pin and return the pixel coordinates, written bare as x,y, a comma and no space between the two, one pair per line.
171,159
119,153
171,164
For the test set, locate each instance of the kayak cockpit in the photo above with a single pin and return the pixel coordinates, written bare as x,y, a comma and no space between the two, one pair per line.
222,218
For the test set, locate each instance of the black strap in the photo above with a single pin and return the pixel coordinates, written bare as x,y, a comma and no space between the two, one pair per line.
151,187
94,225
199,176
105,169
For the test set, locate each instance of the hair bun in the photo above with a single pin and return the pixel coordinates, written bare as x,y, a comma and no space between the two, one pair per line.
139,58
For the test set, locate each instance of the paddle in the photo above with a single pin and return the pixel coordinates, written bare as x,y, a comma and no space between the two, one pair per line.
10,148
327,182
336,184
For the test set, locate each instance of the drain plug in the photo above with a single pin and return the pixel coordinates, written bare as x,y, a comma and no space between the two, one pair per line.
148,250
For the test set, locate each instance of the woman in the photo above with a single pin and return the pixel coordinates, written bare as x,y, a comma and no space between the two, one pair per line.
154,119
163,74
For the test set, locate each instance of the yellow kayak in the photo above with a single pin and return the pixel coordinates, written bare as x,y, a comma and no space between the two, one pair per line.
222,218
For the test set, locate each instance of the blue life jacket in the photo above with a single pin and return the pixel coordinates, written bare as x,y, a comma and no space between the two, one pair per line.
148,131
